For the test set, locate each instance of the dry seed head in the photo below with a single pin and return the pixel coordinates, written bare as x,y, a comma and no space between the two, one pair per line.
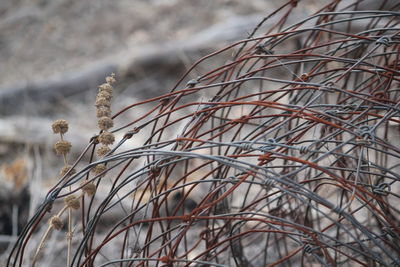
72,202
64,170
105,123
103,112
102,151
56,222
60,126
105,87
104,94
111,79
99,168
62,147
106,138
102,102
89,189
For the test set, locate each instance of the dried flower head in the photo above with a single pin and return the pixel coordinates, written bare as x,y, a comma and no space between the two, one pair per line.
106,87
89,188
106,138
105,123
103,111
56,222
102,151
68,168
62,147
72,202
99,168
104,94
111,79
102,102
60,126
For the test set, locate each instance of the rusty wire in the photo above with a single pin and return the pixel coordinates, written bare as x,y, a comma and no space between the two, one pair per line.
288,154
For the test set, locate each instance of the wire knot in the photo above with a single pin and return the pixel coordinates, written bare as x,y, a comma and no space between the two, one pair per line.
242,119
338,210
384,40
333,112
308,248
166,259
132,132
268,183
350,107
304,149
155,169
94,139
192,83
328,87
164,101
303,78
382,189
246,146
265,158
231,179
366,133
270,145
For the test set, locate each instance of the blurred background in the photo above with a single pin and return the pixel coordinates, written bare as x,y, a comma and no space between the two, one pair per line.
54,54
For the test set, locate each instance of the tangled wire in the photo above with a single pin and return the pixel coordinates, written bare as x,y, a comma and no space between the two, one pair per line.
286,155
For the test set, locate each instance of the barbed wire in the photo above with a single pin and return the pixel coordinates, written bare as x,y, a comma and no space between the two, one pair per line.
288,154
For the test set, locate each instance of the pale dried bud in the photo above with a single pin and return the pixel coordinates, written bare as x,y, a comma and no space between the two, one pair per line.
56,223
105,87
99,168
72,202
105,123
103,111
106,138
104,94
111,79
89,189
60,126
64,170
62,147
102,151
102,102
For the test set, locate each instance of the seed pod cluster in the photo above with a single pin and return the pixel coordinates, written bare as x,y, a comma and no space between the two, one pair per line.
72,202
89,188
56,223
103,113
62,147
104,122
